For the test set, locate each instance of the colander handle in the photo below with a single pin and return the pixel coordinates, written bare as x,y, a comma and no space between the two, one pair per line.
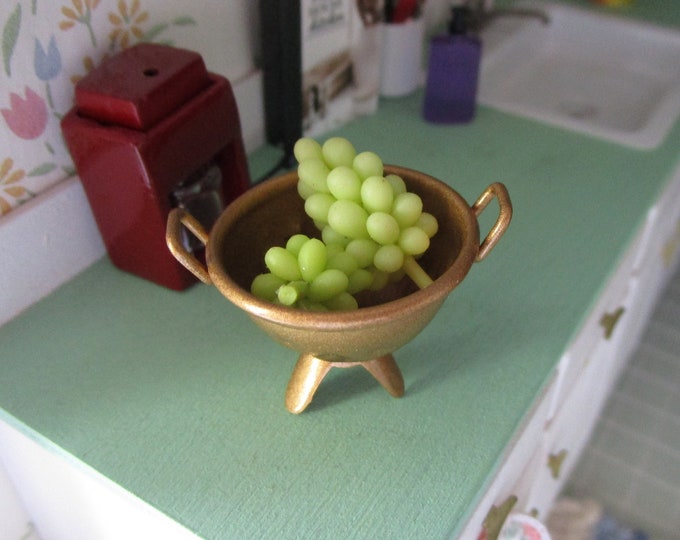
498,191
173,237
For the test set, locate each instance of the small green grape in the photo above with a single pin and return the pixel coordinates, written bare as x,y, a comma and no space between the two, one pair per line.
343,261
295,242
331,237
377,194
407,208
282,263
312,259
342,302
344,183
428,223
334,249
397,183
414,241
382,228
306,148
314,173
338,151
389,258
359,280
305,190
348,219
363,250
317,206
367,164
265,286
327,284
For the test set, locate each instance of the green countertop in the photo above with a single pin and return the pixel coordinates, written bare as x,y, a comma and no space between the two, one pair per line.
178,398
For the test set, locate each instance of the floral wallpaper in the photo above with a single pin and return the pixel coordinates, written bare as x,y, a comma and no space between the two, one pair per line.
47,46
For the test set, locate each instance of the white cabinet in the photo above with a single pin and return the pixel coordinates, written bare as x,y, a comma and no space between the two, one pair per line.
543,456
66,500
15,522
568,432
510,487
656,261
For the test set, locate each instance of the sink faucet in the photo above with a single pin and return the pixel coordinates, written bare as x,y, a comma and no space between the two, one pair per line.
482,12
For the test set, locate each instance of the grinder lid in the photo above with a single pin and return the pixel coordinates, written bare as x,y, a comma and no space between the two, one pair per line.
141,85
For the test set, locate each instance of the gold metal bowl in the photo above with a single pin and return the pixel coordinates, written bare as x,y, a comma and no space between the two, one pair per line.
271,212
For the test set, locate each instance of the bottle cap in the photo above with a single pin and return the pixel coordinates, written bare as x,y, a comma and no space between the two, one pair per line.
460,18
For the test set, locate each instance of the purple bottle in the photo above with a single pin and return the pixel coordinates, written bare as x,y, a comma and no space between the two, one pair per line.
453,72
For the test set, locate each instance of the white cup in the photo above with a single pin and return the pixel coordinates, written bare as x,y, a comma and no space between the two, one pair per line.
401,70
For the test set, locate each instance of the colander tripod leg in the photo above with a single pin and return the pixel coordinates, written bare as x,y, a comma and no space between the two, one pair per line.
310,371
387,373
307,375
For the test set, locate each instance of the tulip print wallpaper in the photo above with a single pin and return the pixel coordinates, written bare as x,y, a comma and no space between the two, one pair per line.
47,46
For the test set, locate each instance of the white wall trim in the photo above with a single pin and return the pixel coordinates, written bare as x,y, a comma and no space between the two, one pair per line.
43,244
52,238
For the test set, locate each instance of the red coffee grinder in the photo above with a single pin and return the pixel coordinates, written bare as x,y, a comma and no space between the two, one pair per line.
152,129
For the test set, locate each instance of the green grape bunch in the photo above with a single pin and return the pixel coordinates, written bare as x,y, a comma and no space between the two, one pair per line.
371,227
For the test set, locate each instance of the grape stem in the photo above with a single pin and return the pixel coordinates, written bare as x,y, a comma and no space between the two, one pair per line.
416,272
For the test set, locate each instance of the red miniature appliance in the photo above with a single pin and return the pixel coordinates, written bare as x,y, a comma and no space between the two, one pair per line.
152,129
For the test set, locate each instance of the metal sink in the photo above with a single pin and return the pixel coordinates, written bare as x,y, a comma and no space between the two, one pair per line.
586,71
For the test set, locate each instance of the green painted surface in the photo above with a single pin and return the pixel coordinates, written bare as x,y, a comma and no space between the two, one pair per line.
178,398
